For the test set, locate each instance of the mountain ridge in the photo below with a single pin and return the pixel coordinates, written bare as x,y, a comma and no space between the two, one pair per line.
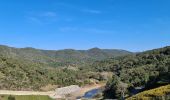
60,57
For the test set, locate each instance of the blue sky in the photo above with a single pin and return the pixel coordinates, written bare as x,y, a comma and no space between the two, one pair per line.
134,25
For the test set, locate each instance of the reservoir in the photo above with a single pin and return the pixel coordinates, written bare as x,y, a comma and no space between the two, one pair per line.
92,93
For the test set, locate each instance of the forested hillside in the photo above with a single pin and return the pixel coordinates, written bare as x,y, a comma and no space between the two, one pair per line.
33,69
18,74
67,57
149,69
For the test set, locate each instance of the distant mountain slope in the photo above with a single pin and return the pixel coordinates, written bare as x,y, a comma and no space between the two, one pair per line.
34,69
60,57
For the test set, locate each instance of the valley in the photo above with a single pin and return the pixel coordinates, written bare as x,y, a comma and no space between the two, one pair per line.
119,74
84,50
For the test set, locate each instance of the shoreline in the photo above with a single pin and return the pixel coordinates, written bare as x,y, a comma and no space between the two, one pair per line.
87,88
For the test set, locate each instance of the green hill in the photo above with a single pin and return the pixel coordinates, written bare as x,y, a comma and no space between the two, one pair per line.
160,93
148,69
34,69
67,57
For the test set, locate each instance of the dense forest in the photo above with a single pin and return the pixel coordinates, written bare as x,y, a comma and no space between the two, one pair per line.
146,70
33,69
60,58
24,75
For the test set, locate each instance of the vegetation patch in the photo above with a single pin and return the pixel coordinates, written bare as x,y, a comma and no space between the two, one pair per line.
162,93
148,69
28,97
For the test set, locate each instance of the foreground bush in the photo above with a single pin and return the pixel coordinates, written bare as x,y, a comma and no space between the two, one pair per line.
161,93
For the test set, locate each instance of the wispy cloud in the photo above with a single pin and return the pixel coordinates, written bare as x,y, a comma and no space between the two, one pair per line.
42,17
66,5
79,8
48,14
92,11
68,29
34,20
85,30
99,31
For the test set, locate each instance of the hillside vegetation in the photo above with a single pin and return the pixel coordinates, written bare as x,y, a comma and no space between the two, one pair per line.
32,69
25,75
31,97
149,69
161,93
60,58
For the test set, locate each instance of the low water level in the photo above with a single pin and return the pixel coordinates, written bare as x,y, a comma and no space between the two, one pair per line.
91,93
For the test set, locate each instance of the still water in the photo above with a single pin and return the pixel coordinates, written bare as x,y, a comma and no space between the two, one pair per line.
91,93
